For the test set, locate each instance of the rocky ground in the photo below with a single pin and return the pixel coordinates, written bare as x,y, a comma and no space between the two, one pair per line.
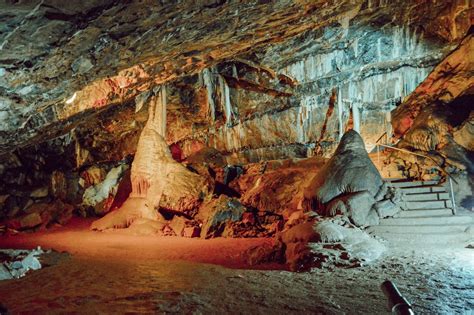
179,275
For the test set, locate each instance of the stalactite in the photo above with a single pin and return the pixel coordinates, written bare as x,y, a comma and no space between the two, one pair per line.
340,112
332,102
356,116
157,111
225,100
370,75
210,84
234,71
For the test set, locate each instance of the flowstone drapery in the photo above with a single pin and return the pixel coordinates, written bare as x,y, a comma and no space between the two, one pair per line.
158,181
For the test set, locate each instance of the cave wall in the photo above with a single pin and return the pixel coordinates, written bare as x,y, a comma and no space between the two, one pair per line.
369,73
283,86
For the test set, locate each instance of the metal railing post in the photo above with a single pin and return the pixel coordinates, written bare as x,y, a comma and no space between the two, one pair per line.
422,155
440,167
451,194
378,156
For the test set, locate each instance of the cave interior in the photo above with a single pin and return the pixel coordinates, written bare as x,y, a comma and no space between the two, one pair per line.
221,156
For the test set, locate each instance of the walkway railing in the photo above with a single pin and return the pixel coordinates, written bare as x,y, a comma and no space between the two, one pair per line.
440,167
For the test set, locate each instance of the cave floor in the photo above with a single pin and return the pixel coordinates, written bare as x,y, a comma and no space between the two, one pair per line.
116,273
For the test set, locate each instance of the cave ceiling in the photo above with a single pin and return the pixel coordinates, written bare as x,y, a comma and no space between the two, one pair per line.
64,62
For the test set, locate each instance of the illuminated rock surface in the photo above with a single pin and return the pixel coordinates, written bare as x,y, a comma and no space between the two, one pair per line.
158,182
239,133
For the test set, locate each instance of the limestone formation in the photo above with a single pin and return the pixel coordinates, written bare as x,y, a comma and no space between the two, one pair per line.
348,184
277,186
326,244
436,121
158,181
234,114
41,215
349,170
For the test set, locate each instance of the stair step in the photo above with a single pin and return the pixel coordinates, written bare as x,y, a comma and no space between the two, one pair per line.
432,204
404,184
421,190
417,238
436,220
424,213
427,196
419,229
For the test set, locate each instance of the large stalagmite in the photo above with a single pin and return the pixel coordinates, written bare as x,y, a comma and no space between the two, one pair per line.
158,181
349,184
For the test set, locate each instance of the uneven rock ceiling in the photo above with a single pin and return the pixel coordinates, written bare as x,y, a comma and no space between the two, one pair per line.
63,61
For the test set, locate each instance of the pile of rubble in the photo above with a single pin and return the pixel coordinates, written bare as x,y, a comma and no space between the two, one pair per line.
15,263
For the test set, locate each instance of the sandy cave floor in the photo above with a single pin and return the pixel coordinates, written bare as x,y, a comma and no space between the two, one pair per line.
116,273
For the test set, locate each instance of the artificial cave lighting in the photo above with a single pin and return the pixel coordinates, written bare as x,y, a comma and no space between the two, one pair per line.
236,157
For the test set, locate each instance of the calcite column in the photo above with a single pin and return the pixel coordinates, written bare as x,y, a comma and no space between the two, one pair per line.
149,152
158,181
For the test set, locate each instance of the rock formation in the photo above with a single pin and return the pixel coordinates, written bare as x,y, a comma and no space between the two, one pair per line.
158,181
348,184
436,121
259,95
319,244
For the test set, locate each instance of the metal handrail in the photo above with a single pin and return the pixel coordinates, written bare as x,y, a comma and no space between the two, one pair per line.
450,177
418,154
380,138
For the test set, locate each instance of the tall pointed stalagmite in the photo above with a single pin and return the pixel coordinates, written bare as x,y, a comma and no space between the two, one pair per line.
158,181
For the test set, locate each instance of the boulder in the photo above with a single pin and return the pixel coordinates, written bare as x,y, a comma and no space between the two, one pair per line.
326,244
192,231
4,274
277,186
98,194
359,208
30,220
40,192
178,224
16,263
301,233
265,253
386,208
43,214
218,216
